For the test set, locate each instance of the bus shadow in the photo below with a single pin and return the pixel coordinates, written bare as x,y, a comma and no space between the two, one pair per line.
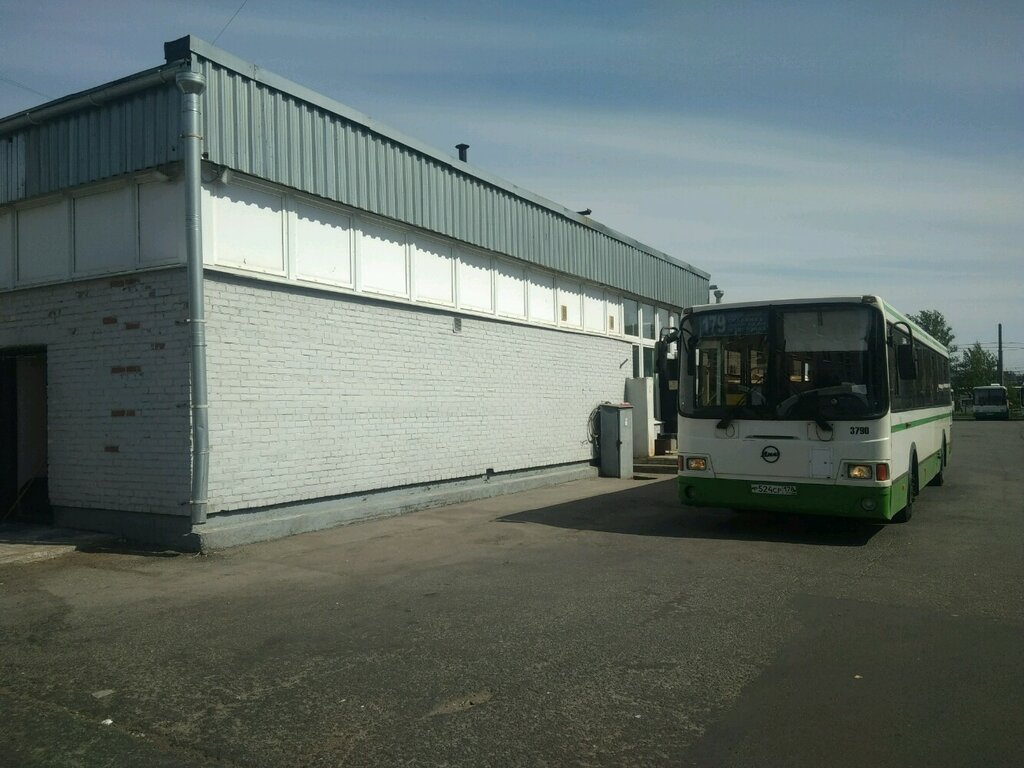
654,510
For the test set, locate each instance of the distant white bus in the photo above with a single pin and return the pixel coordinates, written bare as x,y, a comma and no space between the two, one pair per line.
990,402
832,406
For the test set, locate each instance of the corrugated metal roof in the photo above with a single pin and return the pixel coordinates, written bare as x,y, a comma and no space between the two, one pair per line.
266,126
122,127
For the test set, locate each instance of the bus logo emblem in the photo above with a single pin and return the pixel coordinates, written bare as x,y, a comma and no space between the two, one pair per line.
770,454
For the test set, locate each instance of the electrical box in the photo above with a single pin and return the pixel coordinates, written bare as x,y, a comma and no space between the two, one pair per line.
640,394
616,440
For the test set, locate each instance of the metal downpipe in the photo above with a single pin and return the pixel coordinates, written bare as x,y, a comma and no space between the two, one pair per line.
192,85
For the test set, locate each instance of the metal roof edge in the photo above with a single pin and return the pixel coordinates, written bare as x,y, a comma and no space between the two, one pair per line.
90,97
190,44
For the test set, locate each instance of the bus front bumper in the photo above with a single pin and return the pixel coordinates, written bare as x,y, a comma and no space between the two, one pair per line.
871,502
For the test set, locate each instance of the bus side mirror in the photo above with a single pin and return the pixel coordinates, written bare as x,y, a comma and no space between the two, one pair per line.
905,365
689,347
660,357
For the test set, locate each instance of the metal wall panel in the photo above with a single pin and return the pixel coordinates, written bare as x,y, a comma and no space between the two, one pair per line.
263,126
12,168
270,134
121,136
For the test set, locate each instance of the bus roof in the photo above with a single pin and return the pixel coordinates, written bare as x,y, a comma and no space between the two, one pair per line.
870,300
776,302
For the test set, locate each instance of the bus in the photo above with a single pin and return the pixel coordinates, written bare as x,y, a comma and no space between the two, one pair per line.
990,403
830,406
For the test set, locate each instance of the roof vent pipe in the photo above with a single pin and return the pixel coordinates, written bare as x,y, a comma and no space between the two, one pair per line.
463,151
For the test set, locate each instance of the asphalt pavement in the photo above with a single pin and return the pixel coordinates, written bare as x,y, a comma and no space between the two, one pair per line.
597,623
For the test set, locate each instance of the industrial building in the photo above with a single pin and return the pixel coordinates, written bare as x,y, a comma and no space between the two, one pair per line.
232,308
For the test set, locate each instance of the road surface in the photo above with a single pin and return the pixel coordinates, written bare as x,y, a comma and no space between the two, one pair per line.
594,624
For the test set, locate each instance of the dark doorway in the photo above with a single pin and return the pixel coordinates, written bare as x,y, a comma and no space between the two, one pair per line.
24,461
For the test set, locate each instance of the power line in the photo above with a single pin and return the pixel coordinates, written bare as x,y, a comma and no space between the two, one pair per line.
230,20
25,87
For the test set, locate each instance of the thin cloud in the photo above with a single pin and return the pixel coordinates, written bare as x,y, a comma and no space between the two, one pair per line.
969,50
789,150
781,213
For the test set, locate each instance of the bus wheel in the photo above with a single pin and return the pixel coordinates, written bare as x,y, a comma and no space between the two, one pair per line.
904,515
939,478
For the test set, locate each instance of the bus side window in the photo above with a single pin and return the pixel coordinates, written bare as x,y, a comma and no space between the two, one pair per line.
904,393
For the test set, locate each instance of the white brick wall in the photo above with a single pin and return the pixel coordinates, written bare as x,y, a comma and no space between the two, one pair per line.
117,387
315,394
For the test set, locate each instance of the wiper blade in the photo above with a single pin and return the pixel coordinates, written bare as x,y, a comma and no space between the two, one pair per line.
819,420
738,412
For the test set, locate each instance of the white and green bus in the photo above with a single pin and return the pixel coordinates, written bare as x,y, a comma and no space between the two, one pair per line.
990,403
831,406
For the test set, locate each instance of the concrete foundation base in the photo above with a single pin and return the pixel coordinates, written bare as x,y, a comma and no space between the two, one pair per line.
172,531
231,529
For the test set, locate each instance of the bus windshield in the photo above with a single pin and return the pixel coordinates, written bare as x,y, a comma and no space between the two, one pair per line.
989,396
786,363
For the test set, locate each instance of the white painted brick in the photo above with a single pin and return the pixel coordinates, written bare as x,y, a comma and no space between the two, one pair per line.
316,395
151,471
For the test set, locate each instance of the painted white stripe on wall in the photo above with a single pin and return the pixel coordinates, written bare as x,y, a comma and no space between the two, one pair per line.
44,242
161,211
262,229
248,228
510,289
105,227
331,245
540,296
383,260
322,245
593,311
433,272
475,272
570,304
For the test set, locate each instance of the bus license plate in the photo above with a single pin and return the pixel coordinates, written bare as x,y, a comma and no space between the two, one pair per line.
771,489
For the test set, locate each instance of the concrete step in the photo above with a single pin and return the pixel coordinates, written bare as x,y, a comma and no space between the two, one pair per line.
655,465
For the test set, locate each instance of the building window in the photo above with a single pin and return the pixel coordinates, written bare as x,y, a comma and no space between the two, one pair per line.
662,322
630,317
647,321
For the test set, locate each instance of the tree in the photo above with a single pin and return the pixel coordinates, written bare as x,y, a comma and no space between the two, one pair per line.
976,367
934,324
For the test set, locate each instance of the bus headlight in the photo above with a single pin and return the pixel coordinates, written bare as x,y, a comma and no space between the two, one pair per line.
858,471
696,463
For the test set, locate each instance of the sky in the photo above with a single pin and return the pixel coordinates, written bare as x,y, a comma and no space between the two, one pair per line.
790,149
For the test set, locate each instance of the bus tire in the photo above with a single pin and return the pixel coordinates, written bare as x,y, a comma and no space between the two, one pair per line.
904,515
940,478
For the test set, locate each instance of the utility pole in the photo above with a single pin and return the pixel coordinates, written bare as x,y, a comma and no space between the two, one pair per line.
1000,369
